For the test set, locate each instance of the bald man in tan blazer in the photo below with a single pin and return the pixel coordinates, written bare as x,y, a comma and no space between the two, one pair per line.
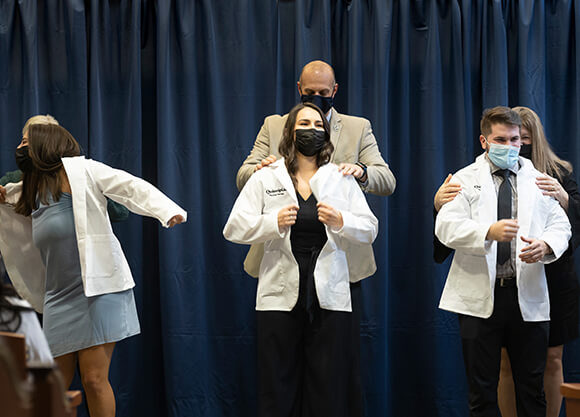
351,136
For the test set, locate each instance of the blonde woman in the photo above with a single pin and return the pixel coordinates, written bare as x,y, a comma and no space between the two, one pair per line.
562,279
558,182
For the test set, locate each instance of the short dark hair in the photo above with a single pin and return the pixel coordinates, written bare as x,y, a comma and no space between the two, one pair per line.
287,148
498,115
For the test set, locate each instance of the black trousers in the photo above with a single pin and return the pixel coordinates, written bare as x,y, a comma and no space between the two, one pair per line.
526,343
309,368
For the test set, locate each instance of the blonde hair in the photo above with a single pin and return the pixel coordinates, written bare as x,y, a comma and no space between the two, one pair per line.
543,157
39,119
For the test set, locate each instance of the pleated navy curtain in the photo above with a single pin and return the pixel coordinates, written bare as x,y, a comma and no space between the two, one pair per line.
176,91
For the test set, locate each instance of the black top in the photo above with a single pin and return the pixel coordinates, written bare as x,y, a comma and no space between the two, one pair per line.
562,272
308,232
307,237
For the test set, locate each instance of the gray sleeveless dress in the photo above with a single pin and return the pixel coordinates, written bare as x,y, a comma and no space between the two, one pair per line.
73,321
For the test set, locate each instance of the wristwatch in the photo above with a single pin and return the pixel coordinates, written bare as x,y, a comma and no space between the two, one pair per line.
364,175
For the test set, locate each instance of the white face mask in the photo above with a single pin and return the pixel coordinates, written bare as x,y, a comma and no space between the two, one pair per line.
503,156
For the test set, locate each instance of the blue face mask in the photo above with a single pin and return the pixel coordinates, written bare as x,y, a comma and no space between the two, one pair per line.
503,156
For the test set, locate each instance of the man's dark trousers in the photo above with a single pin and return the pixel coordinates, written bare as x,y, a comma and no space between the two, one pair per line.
526,343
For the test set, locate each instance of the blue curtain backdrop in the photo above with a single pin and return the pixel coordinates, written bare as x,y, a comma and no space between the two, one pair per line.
175,91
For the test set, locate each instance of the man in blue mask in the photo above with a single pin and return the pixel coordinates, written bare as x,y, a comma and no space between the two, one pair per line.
503,231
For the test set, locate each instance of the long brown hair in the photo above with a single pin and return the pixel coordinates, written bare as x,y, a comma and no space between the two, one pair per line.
543,157
287,148
47,145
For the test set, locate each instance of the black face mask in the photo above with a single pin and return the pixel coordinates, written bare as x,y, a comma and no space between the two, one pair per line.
323,103
526,151
23,160
309,141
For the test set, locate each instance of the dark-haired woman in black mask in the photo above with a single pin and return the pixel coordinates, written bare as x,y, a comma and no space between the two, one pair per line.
65,259
317,231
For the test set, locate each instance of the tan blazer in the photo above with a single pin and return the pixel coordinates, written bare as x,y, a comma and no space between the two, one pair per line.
353,142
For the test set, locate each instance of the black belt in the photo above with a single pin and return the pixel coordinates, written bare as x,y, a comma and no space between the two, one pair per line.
505,282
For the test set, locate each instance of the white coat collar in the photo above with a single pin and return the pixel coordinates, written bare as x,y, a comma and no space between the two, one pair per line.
281,173
316,182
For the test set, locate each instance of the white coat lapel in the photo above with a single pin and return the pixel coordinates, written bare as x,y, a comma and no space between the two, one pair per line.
78,185
487,208
283,177
526,204
316,184
326,187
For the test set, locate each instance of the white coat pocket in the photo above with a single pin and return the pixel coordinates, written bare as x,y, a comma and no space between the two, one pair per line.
103,253
477,287
535,288
271,277
340,283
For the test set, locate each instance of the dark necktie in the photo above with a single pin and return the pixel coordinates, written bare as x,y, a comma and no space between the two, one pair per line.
504,211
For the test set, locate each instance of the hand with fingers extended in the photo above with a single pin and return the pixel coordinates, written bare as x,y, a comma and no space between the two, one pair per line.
265,162
446,193
287,216
534,251
329,215
552,187
503,230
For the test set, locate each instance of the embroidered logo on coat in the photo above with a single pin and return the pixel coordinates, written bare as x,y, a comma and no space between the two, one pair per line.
276,192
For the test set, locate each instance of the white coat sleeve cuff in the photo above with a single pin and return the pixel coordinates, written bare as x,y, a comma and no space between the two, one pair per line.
272,221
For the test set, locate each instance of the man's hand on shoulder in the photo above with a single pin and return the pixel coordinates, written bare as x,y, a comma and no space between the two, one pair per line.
265,162
352,169
503,230
446,193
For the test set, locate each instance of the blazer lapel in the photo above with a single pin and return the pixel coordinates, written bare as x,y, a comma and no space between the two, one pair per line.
335,129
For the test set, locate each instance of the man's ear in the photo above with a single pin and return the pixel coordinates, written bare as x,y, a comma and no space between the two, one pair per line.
483,142
335,89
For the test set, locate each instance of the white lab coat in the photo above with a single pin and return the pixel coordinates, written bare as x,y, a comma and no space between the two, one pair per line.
347,255
104,267
463,223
